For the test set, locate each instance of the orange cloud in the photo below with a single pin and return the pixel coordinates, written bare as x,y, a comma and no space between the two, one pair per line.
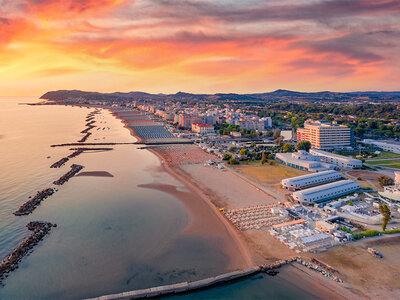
202,46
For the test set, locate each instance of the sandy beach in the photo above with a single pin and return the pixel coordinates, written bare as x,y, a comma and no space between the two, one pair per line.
206,219
206,189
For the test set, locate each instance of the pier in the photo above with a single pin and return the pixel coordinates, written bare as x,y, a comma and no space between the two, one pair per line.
182,287
10,263
185,287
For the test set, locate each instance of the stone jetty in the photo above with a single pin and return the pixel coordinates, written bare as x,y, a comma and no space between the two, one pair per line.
308,264
10,262
182,287
185,287
63,160
85,137
60,163
30,205
63,179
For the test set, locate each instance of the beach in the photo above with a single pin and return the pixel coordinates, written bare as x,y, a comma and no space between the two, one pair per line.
208,189
205,219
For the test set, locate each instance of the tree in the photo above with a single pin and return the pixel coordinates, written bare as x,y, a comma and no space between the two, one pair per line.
263,158
287,147
243,151
277,134
233,161
386,215
279,140
304,145
385,180
271,156
232,149
227,156
252,145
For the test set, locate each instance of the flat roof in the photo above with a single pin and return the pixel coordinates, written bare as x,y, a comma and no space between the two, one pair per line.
325,187
314,175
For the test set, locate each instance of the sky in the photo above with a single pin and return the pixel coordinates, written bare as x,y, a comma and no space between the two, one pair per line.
200,46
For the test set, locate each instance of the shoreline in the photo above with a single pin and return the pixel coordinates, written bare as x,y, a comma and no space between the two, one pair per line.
230,230
248,255
237,259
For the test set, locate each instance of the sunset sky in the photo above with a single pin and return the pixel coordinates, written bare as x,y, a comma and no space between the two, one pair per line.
198,45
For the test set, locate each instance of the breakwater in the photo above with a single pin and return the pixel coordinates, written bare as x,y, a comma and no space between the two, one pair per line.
63,160
185,287
29,206
90,144
85,137
63,179
182,287
10,263
77,151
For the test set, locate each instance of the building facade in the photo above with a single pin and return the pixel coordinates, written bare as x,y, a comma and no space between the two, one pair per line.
325,136
337,160
202,128
310,180
384,145
326,192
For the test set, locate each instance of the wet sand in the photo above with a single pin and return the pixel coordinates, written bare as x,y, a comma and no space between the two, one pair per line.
206,219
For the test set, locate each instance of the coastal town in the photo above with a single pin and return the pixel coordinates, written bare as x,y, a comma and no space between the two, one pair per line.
305,190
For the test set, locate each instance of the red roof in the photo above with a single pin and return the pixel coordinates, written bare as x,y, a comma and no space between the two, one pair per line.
202,124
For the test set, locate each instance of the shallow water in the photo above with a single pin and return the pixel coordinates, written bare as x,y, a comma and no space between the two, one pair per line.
112,235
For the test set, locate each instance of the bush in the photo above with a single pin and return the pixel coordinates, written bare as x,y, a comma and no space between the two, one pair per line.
227,156
367,233
345,229
359,178
391,231
233,161
385,180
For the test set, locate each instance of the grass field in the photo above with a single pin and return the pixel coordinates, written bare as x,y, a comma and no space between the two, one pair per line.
269,174
384,162
395,166
386,154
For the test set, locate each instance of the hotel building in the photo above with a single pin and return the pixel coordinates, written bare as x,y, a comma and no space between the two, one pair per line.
325,136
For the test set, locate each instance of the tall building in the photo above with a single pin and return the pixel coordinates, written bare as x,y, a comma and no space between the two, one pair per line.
325,136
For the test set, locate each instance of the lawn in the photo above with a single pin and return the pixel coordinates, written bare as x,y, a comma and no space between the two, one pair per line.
267,173
383,162
395,166
386,154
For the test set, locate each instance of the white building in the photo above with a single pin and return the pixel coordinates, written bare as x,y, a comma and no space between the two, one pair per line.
304,161
323,135
384,145
202,128
267,122
392,192
251,124
337,160
310,180
326,191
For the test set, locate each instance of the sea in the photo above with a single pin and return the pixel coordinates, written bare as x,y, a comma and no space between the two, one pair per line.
112,235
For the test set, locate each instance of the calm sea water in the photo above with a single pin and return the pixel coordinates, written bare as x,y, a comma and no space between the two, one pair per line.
112,235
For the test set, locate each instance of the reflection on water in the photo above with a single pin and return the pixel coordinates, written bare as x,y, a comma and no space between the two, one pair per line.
112,236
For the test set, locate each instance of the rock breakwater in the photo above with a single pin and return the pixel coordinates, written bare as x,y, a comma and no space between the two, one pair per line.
63,179
30,205
10,263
